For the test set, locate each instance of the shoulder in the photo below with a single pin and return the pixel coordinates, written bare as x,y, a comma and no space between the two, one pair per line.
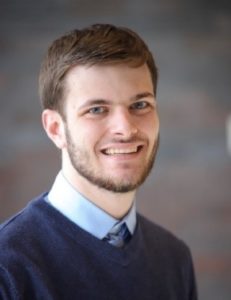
22,229
165,250
169,256
161,239
33,232
23,219
17,234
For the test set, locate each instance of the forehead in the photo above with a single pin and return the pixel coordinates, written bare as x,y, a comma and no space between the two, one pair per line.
117,80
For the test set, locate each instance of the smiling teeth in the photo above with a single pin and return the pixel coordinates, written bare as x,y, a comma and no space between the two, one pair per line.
120,151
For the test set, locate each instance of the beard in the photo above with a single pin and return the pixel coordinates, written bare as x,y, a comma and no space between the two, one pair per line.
81,162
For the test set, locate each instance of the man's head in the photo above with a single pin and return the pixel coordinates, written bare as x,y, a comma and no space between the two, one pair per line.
98,89
99,44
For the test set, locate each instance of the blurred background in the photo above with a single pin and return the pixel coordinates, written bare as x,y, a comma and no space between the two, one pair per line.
189,191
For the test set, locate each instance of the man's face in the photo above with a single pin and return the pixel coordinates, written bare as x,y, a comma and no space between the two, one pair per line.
112,125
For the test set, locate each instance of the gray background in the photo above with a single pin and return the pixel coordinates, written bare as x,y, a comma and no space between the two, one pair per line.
189,189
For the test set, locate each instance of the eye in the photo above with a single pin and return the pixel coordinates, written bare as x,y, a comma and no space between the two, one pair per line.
140,105
97,110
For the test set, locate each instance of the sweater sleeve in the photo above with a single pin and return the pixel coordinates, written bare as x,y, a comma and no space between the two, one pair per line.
192,286
7,289
193,289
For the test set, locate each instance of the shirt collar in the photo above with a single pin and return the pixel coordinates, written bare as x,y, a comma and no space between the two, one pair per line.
65,198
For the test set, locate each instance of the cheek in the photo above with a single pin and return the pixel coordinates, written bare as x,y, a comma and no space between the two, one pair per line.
89,135
150,126
156,126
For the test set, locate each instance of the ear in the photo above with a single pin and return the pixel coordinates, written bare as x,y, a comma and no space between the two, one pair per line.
54,127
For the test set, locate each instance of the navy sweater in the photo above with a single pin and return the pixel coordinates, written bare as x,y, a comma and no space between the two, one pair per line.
43,255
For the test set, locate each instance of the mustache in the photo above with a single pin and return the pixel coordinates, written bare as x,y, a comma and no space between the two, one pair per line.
122,140
134,138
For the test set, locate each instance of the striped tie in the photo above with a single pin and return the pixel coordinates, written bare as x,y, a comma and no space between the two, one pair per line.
120,237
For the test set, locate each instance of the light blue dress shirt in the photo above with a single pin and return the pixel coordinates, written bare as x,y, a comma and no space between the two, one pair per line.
66,199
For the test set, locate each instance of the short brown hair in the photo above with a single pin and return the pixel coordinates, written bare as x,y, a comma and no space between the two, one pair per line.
96,44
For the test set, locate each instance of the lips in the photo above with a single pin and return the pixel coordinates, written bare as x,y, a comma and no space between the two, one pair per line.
122,150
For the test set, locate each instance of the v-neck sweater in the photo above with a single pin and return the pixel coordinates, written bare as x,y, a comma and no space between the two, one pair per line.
43,255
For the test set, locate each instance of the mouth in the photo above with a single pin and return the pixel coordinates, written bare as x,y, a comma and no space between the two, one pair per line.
122,151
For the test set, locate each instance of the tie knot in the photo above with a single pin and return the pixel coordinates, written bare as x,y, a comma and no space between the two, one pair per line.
119,237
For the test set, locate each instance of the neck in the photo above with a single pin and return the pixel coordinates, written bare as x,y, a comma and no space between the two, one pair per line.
115,204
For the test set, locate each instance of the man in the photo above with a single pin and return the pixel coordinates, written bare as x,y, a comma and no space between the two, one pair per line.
83,239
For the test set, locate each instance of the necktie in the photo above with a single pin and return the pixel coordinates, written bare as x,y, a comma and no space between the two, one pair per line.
120,237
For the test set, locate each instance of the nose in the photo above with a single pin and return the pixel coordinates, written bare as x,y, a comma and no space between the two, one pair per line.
123,124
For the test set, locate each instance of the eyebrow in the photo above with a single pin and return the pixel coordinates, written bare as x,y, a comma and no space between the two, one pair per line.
137,97
143,95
